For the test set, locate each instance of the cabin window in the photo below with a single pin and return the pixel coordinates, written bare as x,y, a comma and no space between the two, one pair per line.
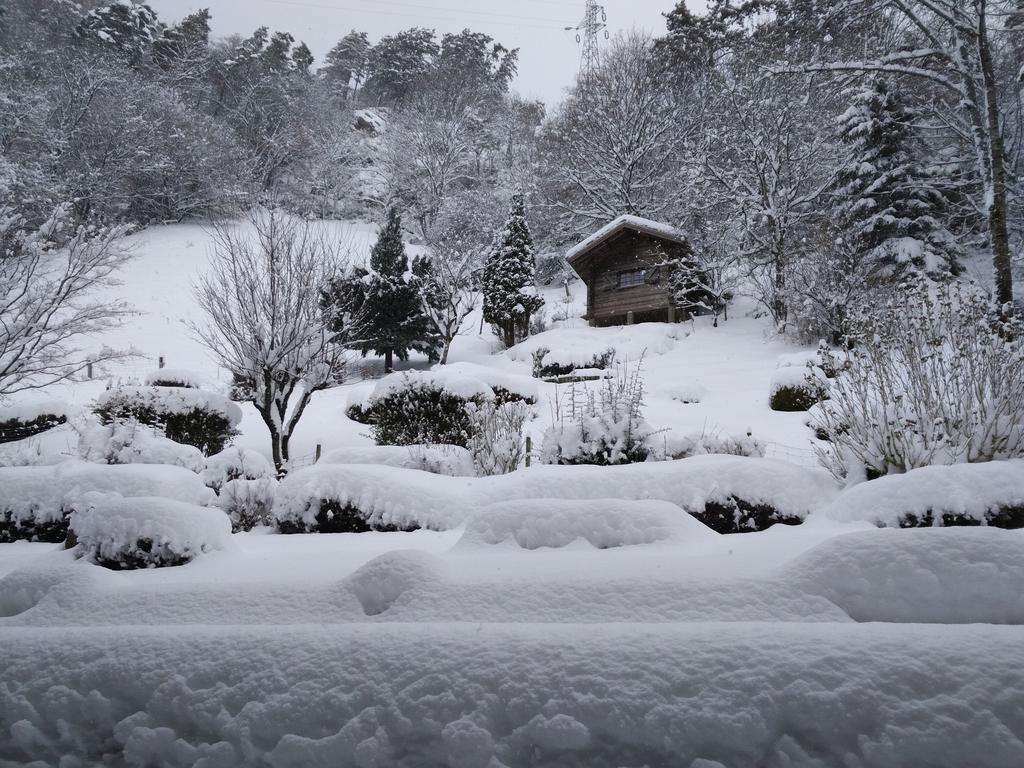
631,278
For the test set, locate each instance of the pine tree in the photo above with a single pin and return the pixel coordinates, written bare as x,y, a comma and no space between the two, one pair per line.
890,208
392,317
129,27
345,63
510,292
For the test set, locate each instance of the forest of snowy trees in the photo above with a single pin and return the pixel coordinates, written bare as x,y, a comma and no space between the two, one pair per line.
814,152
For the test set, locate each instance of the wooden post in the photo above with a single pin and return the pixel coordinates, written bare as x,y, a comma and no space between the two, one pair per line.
671,313
529,450
160,362
629,318
88,370
317,456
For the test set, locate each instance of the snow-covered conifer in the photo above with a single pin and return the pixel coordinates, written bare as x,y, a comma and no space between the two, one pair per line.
889,206
510,292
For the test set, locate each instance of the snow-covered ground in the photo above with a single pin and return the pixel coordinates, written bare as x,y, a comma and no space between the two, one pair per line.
617,631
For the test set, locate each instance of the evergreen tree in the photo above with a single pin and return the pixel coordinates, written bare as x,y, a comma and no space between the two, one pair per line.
182,40
127,26
510,292
385,316
399,62
302,58
889,207
345,63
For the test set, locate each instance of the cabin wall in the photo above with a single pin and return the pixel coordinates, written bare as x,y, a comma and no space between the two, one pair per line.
606,302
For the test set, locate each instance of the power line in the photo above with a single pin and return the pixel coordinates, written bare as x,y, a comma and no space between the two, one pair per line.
587,31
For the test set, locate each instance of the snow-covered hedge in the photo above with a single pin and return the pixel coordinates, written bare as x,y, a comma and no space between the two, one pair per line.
604,523
133,443
671,445
35,501
235,464
451,460
174,377
145,532
202,419
21,420
989,493
797,389
727,493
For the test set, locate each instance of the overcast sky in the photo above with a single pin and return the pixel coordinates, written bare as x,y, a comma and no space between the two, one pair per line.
548,56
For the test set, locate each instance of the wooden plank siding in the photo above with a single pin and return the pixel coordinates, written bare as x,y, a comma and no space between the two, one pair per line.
629,250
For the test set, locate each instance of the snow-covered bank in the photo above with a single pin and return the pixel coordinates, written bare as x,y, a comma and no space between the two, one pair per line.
743,695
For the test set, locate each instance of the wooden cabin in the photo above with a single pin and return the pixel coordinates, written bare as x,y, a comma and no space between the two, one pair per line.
626,265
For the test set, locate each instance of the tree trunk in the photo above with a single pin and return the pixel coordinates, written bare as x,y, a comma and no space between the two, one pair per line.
997,201
389,360
447,345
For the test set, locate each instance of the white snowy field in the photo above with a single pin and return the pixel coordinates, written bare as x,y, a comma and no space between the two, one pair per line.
534,631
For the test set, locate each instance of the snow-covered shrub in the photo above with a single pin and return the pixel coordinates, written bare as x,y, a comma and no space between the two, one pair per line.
413,408
452,460
174,377
330,498
35,500
128,442
603,427
248,502
935,377
797,389
234,464
26,419
145,532
738,515
496,441
987,493
668,445
544,367
192,416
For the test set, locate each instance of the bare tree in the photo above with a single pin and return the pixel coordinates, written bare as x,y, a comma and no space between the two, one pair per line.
264,321
49,278
450,279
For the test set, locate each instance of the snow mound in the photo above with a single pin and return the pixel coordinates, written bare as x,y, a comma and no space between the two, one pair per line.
580,347
687,392
963,490
797,377
943,575
453,460
131,443
146,532
381,582
802,359
604,523
46,492
174,377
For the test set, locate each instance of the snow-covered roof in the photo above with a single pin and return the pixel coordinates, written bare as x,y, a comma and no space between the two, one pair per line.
626,221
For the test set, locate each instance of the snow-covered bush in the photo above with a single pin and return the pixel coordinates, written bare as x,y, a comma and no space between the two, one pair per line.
128,442
496,442
452,460
330,498
797,389
234,464
26,419
603,427
145,532
935,377
248,502
35,500
203,419
544,366
988,493
688,392
413,408
174,377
